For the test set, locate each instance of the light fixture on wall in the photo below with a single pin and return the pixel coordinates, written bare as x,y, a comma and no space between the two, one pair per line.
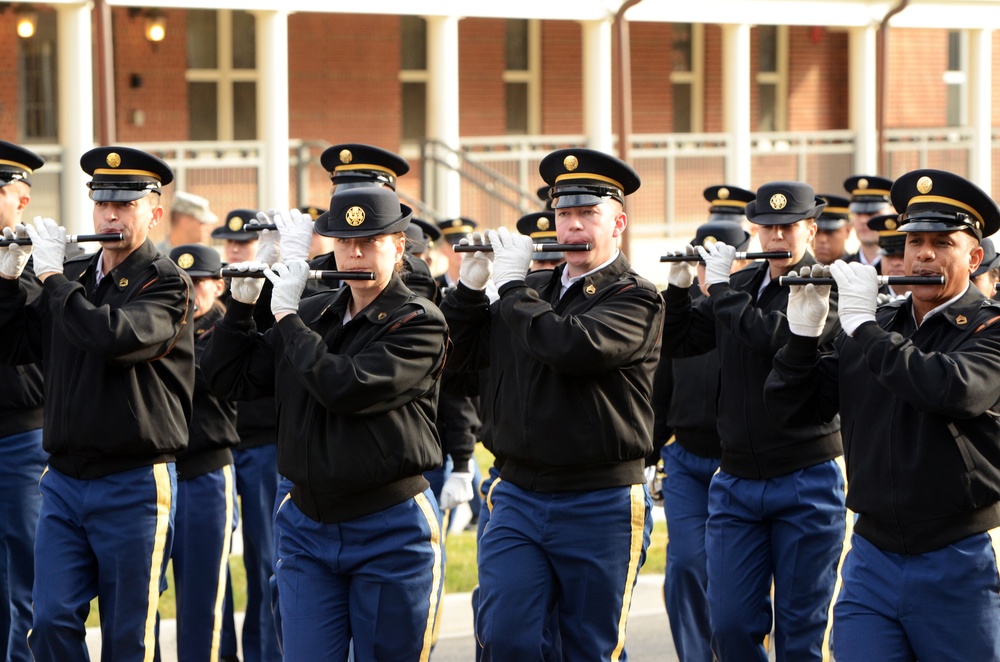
26,18
154,23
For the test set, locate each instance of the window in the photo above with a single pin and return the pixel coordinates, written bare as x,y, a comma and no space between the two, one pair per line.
772,77
37,101
222,75
686,66
955,78
413,76
520,76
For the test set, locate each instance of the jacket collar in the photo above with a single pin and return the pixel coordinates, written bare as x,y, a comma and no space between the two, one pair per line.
129,270
595,282
379,311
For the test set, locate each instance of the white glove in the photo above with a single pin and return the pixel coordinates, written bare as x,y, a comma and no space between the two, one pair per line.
808,305
718,262
476,268
14,257
857,285
457,489
681,274
296,232
511,256
269,244
289,281
492,293
246,290
48,245
654,484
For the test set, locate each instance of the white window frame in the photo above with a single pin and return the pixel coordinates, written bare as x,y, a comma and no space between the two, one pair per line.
532,76
959,78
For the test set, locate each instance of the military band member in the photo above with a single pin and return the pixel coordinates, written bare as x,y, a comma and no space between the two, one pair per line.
354,375
570,517
114,332
986,276
892,244
453,231
917,384
869,197
686,437
191,221
833,229
206,485
541,227
776,506
22,459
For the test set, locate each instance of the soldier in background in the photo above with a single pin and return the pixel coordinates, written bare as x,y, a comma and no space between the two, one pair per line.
833,229
869,197
191,221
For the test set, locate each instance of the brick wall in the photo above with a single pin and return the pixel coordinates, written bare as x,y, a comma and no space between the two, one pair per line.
652,101
482,111
9,80
915,96
817,79
562,77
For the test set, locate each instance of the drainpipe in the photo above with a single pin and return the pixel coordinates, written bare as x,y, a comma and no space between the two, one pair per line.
882,75
624,91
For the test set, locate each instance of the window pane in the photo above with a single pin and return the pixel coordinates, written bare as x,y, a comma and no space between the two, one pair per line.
244,40
245,111
681,51
954,51
413,43
202,47
955,105
414,111
767,47
38,82
202,112
516,44
517,107
768,97
682,107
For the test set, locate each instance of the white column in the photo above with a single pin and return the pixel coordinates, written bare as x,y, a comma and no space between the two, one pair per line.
862,95
597,86
442,112
272,109
76,113
980,107
736,101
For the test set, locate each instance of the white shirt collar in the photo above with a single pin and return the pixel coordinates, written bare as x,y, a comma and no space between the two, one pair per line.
99,274
566,280
940,308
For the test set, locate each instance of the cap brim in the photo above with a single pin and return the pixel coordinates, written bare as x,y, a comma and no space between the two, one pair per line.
201,273
933,226
867,207
118,195
578,200
546,256
726,217
830,225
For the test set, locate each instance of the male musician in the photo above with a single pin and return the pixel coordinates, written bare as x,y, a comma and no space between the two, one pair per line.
833,229
541,227
570,517
115,335
191,220
22,459
917,384
869,197
892,244
776,506
985,278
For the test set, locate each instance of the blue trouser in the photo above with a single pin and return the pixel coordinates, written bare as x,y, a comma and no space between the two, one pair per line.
257,485
22,462
941,605
108,538
685,586
204,526
789,530
375,580
578,552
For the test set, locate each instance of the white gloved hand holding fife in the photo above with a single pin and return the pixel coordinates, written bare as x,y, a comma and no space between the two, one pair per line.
14,257
269,244
809,305
458,488
296,232
289,281
718,262
477,267
48,245
246,290
511,256
681,274
857,286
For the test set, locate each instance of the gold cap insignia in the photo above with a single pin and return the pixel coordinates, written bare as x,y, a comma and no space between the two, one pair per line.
571,163
543,224
709,241
723,193
778,201
590,289
346,156
123,282
961,319
355,216
383,315
862,183
185,261
890,224
114,160
925,184
456,223
236,224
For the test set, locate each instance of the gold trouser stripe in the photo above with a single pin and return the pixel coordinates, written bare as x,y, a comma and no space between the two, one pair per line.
163,500
220,594
638,499
432,614
848,532
489,495
995,539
